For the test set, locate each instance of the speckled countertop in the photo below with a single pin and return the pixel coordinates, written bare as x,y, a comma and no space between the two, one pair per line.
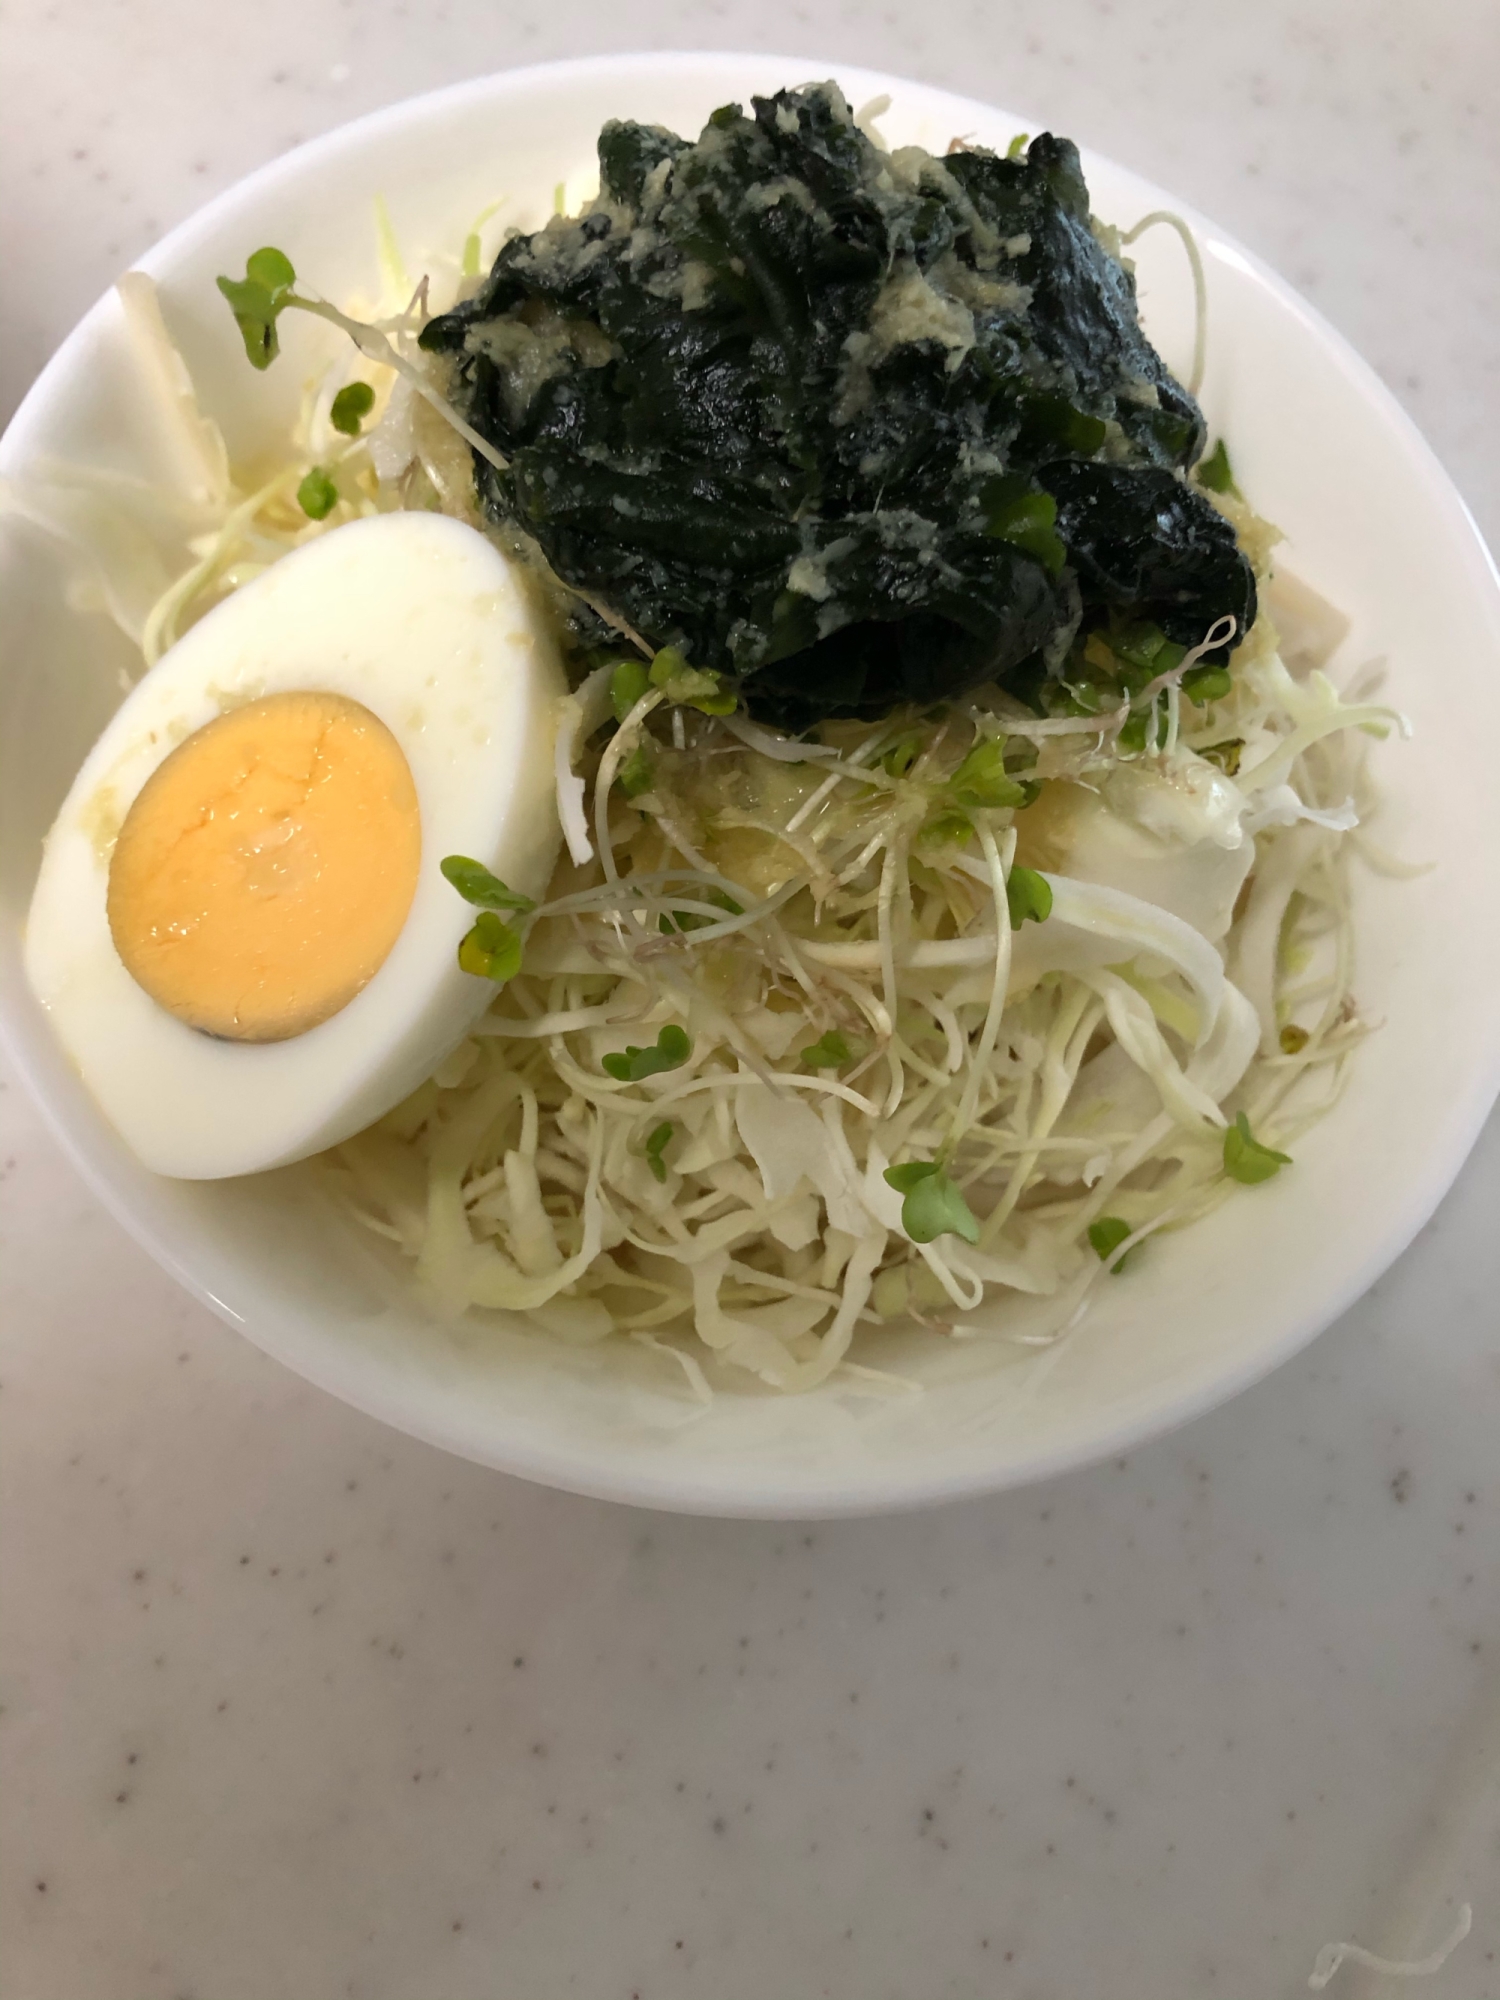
294,1708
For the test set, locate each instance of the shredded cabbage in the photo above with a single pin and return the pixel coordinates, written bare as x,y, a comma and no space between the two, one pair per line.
764,894
775,897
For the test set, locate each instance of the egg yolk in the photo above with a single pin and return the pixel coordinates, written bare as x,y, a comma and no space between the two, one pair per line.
266,867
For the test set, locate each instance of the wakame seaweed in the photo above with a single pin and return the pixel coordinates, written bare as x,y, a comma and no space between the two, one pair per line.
857,427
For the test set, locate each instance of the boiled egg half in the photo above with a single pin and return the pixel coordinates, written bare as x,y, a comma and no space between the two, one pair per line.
240,930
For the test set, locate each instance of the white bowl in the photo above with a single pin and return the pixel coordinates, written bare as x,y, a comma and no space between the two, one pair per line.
1371,520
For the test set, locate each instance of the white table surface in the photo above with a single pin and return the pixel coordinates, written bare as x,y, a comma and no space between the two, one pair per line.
295,1708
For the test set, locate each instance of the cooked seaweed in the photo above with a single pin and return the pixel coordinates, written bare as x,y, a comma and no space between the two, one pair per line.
857,427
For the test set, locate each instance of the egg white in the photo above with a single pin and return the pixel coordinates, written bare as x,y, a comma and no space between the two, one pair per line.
424,622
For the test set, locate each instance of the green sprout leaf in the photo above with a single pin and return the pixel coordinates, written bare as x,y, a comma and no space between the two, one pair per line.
689,686
1205,684
257,299
933,1206
1138,646
627,684
255,314
1106,1235
1215,472
1027,894
1082,698
830,1051
1015,512
1016,150
656,1145
350,407
947,830
668,665
492,950
477,885
273,269
690,920
317,496
1133,736
982,782
1101,655
635,774
1246,1159
671,1051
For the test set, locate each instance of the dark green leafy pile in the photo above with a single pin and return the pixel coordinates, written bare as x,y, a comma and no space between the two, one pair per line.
860,428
